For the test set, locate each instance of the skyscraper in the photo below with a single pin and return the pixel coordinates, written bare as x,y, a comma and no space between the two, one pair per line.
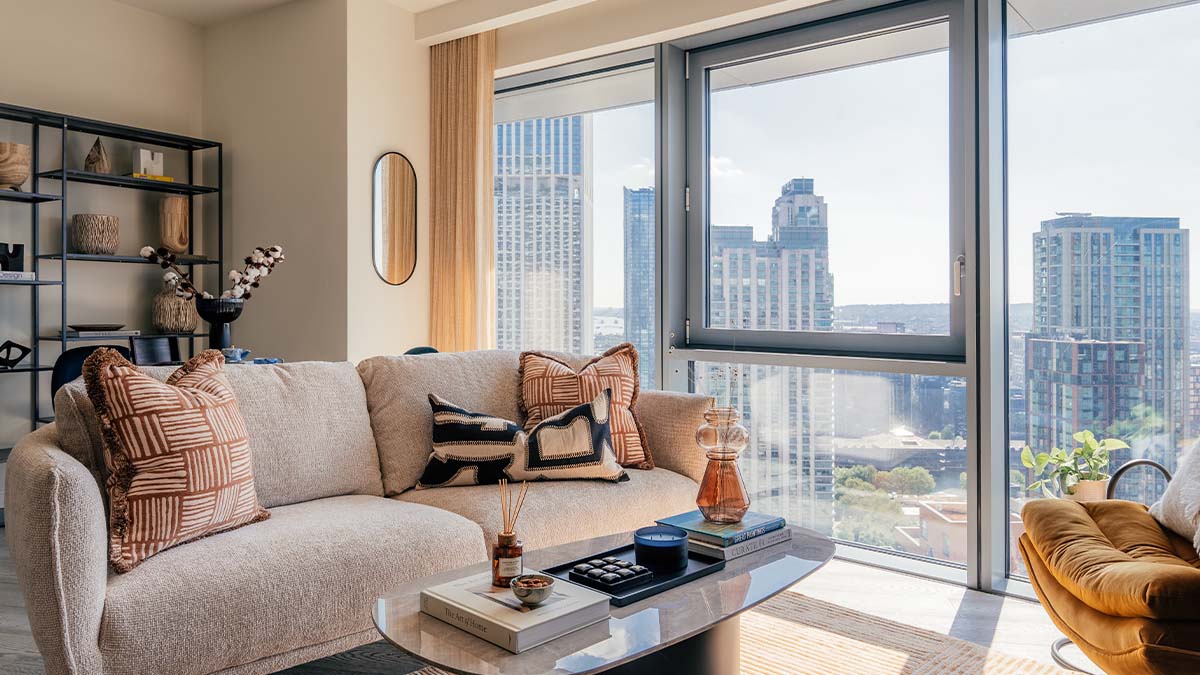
640,247
781,283
1100,285
543,231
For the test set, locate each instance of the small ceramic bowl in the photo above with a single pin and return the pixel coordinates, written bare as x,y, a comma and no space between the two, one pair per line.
532,589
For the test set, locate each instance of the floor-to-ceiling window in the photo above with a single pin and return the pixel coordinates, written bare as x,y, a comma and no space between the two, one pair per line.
575,215
1102,147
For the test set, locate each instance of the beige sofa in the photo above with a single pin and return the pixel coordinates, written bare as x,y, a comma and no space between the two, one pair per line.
337,451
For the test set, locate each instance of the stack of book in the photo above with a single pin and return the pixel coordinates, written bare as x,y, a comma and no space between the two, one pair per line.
495,614
754,532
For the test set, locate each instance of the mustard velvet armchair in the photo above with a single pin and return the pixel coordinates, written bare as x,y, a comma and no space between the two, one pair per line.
1125,590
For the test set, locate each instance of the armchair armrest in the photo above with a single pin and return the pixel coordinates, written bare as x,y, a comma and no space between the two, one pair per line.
670,420
56,532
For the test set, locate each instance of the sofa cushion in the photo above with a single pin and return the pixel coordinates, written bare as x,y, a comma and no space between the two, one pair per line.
306,576
557,512
1115,558
309,431
474,449
397,398
177,454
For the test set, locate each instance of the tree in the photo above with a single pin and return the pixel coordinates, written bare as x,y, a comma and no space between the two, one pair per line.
962,480
906,480
935,435
949,431
866,515
863,472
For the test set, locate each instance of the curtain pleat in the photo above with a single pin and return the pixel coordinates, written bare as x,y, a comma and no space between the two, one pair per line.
462,281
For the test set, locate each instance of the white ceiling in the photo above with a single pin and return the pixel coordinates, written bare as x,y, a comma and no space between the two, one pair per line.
208,12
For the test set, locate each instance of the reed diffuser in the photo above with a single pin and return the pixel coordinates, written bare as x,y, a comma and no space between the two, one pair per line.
508,553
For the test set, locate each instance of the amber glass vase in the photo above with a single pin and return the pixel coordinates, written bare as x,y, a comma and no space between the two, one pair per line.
722,497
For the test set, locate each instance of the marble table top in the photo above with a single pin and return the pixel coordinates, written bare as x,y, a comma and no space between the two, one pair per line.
632,631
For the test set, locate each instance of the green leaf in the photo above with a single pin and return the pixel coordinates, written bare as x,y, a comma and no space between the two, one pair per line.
1027,457
1114,444
1040,462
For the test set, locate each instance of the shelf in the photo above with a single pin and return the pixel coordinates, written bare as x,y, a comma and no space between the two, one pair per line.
35,282
18,113
45,420
122,338
27,369
77,176
27,197
127,133
133,259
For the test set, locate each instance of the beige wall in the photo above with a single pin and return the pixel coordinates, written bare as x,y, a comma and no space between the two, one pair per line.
275,94
387,109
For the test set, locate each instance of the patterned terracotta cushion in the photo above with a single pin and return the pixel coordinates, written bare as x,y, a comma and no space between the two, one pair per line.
550,387
177,454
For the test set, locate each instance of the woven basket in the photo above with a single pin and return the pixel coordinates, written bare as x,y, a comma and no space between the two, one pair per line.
95,233
173,314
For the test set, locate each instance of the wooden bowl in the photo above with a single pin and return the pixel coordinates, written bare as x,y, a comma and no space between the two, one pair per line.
15,160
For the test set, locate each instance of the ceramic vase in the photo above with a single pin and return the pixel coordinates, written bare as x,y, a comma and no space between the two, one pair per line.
722,497
219,313
173,314
173,223
1089,491
15,160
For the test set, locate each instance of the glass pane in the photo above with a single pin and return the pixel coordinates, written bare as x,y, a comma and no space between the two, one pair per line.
1102,141
877,459
828,193
575,230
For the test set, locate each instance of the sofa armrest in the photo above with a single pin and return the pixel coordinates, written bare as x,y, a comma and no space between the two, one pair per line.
58,539
670,420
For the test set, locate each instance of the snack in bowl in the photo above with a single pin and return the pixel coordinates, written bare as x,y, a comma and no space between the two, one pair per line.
532,589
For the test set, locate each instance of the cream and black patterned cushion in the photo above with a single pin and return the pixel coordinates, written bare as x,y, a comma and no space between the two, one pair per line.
475,449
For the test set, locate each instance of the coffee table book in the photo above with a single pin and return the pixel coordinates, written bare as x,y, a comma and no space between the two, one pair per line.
494,614
752,525
744,548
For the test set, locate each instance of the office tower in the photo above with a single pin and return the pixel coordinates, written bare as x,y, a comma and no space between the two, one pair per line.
543,234
782,283
1193,431
640,247
1100,286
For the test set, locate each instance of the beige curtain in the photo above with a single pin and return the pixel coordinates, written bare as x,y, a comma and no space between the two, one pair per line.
462,294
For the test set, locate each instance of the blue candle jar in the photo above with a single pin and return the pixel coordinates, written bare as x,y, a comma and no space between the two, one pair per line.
661,548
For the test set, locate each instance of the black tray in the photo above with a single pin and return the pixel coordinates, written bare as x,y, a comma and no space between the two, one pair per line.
699,565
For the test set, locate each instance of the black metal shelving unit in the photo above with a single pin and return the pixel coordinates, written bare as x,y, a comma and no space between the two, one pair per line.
63,177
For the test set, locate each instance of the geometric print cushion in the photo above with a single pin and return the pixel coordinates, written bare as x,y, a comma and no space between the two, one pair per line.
177,454
471,448
549,386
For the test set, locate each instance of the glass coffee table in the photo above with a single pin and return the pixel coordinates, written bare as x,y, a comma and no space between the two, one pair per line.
693,628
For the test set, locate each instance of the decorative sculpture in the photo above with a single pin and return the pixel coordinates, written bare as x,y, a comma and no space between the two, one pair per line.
97,159
7,359
12,257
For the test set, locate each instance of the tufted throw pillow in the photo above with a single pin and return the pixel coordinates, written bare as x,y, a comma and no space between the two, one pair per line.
475,449
177,454
550,386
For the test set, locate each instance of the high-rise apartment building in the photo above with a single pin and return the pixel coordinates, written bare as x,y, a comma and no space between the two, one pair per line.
640,248
1100,286
781,283
543,230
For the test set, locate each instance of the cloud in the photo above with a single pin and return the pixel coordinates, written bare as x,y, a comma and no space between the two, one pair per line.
721,167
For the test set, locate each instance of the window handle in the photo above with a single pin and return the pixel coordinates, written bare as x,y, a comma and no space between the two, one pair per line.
960,273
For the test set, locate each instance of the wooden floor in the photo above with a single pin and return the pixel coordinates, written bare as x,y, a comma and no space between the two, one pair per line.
1009,625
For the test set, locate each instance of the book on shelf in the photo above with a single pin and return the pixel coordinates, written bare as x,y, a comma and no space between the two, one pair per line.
150,176
8,275
744,548
752,525
495,614
102,333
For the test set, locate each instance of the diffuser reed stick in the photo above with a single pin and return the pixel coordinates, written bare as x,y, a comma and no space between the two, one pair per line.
508,553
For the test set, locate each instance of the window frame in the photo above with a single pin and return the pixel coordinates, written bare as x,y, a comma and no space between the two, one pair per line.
699,61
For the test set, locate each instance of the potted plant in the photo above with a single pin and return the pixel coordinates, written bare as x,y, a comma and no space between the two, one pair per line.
220,312
1079,474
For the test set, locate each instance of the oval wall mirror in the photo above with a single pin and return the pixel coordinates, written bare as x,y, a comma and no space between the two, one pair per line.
394,222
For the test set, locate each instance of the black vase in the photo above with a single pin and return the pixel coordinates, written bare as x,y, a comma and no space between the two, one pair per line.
219,313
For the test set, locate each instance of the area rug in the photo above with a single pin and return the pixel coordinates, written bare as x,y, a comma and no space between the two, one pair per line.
791,634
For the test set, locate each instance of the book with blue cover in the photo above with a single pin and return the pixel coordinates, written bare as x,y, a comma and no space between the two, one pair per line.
752,525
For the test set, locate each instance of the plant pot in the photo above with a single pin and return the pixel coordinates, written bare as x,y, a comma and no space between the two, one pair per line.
95,233
722,497
173,314
1089,491
15,160
219,313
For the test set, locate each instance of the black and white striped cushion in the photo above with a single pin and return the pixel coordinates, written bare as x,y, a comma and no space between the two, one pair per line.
471,448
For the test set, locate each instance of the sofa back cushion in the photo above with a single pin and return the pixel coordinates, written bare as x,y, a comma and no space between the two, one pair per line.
398,389
309,431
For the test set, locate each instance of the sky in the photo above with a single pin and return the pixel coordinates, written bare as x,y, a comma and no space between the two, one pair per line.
1102,118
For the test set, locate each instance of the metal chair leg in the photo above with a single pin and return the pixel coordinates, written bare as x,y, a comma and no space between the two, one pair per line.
1056,653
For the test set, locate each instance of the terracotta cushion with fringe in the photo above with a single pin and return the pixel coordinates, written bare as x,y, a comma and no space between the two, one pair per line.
550,387
177,453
